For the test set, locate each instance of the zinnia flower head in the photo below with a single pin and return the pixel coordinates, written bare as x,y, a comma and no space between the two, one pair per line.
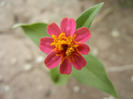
65,46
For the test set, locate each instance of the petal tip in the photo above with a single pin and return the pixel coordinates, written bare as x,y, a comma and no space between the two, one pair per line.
68,26
53,29
82,34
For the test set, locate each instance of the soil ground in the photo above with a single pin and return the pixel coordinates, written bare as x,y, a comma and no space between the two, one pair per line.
22,71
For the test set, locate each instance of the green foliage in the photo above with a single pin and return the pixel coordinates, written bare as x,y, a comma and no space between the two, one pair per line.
93,74
86,18
34,31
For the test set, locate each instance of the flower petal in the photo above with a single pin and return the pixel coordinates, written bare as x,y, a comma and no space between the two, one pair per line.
53,29
82,34
68,26
65,67
52,60
78,61
83,49
45,44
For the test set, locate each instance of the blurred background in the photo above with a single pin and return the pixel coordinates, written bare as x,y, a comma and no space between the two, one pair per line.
22,72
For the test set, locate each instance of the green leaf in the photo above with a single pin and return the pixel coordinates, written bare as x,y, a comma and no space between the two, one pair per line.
34,31
94,74
58,78
86,18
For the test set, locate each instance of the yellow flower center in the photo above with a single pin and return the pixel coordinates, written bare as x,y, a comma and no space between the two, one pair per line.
65,45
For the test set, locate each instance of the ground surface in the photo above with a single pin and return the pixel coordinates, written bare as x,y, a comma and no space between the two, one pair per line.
22,72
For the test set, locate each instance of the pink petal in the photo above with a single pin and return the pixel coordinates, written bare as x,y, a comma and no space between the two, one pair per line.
53,29
82,34
65,67
52,60
83,49
78,61
68,26
45,44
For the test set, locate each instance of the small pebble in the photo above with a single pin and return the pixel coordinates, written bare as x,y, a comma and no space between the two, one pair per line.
110,97
76,89
6,88
132,78
27,67
39,87
13,61
39,59
2,3
115,33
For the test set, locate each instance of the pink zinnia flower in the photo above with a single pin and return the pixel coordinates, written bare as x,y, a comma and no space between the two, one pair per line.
66,46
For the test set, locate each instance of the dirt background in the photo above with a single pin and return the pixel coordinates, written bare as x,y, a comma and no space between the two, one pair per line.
22,71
